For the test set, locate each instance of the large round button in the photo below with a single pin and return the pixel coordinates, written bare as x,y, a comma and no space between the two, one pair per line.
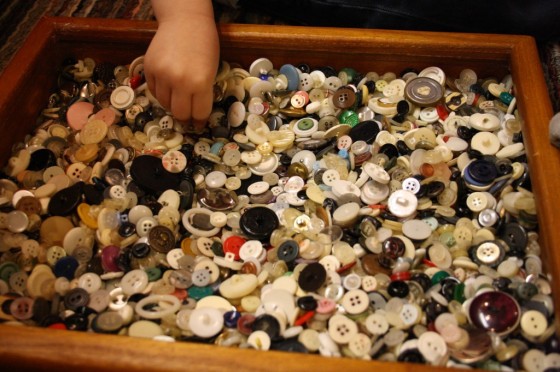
148,171
259,222
495,311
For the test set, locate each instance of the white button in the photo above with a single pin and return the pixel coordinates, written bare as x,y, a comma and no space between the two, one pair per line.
77,237
215,179
306,158
305,82
122,97
330,176
231,157
402,203
251,157
376,324
332,83
258,188
259,340
360,345
173,257
260,66
440,256
484,122
144,225
250,249
201,277
169,198
218,219
135,281
17,221
477,201
206,322
174,161
117,192
376,173
91,282
268,164
201,148
346,214
369,283
233,183
432,346
533,360
342,329
411,184
533,323
374,192
137,212
355,301
410,314
342,187
485,142
416,229
236,114
344,142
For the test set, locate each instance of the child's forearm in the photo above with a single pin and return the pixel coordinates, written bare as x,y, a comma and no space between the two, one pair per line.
168,10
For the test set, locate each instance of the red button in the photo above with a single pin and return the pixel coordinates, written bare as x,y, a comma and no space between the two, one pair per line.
233,244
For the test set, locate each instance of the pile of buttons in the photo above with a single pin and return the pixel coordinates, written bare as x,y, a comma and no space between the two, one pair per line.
341,213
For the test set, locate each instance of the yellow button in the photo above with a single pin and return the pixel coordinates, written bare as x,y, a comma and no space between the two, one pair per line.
84,211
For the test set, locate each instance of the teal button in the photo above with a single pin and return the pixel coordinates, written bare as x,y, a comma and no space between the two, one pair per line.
199,292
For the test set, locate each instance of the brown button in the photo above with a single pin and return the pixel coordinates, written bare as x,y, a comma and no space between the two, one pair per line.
29,205
161,239
344,98
249,268
370,264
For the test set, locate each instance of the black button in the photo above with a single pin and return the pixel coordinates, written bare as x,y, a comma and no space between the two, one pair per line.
398,288
93,195
291,345
312,277
65,201
259,223
515,236
390,150
66,267
268,324
307,303
127,229
140,250
411,356
76,322
365,131
41,309
482,171
148,172
41,159
434,189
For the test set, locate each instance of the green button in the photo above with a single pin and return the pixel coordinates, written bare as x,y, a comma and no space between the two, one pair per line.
439,276
305,124
349,117
154,273
199,292
7,269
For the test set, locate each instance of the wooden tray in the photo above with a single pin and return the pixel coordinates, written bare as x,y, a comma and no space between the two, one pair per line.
27,82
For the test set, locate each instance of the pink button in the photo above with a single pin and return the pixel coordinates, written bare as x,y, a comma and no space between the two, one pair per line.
107,115
325,306
78,114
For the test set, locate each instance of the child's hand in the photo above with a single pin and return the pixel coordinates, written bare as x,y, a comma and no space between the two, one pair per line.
182,60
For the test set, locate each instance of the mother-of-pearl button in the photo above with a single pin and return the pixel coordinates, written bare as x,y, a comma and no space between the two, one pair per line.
257,132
